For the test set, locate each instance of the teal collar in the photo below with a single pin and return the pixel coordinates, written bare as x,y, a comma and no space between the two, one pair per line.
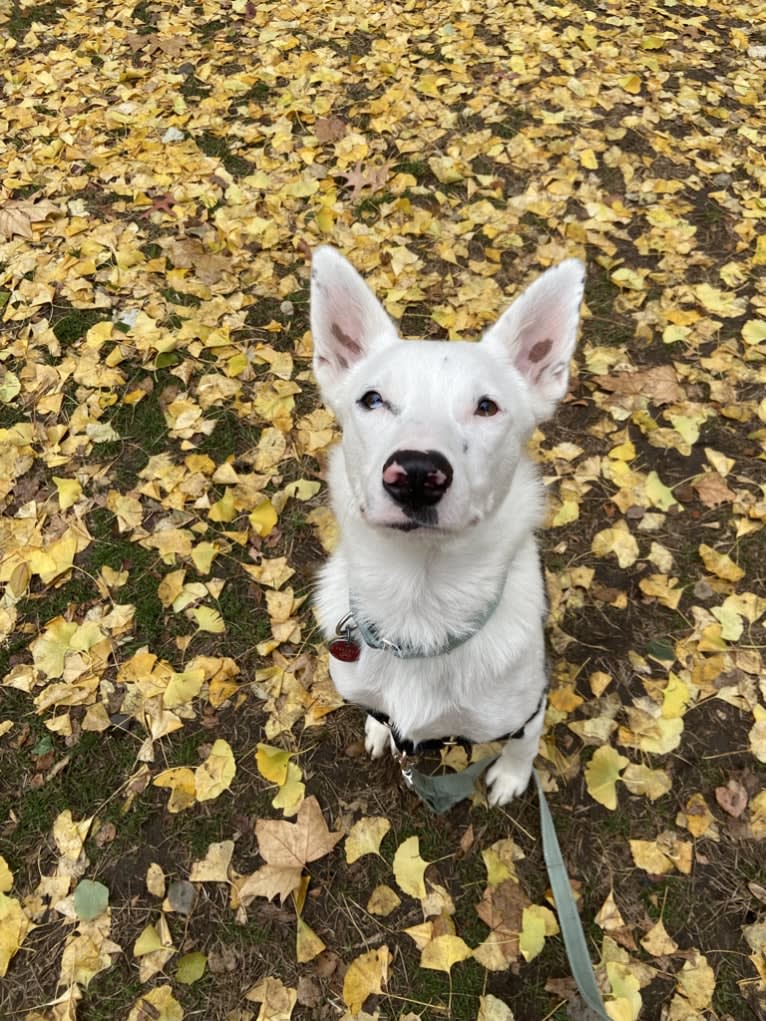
356,621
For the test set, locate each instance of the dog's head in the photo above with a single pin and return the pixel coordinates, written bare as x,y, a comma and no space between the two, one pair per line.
433,431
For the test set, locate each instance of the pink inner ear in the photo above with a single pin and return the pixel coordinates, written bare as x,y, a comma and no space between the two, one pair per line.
540,344
351,345
539,350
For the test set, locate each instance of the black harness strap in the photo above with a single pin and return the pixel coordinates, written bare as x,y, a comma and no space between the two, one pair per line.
407,747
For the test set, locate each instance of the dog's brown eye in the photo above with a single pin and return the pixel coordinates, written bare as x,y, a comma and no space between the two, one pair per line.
486,407
371,400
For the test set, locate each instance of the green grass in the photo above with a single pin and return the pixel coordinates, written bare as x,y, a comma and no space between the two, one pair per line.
214,145
142,430
79,786
433,987
22,18
75,324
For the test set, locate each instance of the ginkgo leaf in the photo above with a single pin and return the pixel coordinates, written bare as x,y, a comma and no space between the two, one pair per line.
214,867
159,1004
626,1005
757,733
208,619
308,944
365,837
443,952
182,688
648,856
263,518
155,880
696,981
277,1000
697,817
148,941
532,935
617,540
14,926
660,856
216,773
6,876
657,942
191,968
492,1009
91,899
290,795
409,868
650,783
720,564
383,900
602,774
608,916
366,975
69,492
272,763
182,784
500,860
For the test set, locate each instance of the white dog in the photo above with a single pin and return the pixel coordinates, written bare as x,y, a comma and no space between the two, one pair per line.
435,595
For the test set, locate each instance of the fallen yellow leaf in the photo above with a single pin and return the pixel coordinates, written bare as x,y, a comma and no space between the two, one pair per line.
216,773
409,868
366,975
602,774
365,836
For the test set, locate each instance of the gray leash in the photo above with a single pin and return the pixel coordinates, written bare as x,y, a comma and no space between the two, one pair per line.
440,793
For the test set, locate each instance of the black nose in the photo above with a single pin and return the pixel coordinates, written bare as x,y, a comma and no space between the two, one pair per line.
417,478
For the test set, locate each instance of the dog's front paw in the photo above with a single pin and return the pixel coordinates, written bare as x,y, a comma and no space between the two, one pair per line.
507,780
377,737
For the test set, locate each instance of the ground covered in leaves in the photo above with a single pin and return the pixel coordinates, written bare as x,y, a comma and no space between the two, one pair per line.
187,825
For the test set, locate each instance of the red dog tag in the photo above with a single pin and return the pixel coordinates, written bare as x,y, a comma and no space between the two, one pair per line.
344,649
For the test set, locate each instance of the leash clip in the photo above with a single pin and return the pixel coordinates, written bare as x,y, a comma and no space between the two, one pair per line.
345,626
406,768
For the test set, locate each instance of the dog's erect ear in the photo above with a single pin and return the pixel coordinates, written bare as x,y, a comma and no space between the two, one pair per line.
347,320
538,333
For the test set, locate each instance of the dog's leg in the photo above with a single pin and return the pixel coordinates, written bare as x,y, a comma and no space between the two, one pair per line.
510,775
377,738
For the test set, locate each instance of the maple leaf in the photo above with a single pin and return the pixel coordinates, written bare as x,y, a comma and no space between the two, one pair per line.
501,908
293,845
270,881
373,177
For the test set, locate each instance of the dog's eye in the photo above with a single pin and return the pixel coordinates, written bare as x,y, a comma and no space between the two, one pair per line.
371,400
486,407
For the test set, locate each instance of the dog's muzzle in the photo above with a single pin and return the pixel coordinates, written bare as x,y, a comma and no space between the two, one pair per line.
416,479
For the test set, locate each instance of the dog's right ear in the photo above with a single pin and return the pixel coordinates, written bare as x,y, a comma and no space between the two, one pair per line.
347,320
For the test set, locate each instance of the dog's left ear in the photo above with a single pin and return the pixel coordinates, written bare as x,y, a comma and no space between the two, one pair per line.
539,331
347,320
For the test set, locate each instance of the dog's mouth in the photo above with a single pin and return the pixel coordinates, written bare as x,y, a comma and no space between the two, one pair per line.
419,517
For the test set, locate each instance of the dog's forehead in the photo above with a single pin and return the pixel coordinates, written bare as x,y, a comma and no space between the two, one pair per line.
434,360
